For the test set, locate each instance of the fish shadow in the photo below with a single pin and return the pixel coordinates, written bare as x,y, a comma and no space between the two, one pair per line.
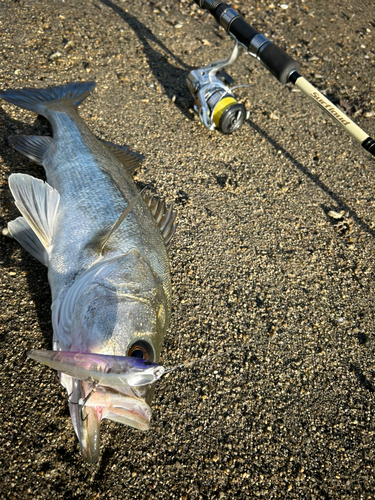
172,78
36,273
339,203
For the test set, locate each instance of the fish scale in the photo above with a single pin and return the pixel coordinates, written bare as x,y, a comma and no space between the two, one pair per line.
111,298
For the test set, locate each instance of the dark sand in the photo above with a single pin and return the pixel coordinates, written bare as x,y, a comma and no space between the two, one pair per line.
259,267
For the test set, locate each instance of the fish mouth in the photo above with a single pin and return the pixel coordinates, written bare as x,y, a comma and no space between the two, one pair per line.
89,405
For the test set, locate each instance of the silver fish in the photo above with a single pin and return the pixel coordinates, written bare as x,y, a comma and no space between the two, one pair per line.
105,246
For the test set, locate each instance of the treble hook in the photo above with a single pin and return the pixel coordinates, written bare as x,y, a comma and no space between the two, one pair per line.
84,401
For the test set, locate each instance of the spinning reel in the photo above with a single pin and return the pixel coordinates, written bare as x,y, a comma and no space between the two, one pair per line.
214,100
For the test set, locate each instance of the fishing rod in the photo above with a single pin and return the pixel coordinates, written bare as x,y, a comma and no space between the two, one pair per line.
214,100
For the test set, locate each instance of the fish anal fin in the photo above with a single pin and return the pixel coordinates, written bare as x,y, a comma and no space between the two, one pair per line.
165,217
22,232
38,203
129,159
34,147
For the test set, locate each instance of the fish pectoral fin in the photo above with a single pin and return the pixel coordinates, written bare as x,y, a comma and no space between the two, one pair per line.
34,147
22,232
164,217
38,203
130,160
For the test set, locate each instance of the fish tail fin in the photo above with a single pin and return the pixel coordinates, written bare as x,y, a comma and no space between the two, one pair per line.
39,100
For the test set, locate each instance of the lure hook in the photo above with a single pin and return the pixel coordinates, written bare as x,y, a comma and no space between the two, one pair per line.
84,400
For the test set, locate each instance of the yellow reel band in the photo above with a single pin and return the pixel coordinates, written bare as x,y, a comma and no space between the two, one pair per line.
221,107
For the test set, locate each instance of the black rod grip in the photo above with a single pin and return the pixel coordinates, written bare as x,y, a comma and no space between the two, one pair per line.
277,61
242,31
217,9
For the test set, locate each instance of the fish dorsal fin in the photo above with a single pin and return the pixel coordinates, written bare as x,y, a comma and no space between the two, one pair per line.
130,160
22,232
34,147
38,203
164,217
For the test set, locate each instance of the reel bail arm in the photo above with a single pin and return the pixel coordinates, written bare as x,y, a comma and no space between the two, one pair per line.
280,65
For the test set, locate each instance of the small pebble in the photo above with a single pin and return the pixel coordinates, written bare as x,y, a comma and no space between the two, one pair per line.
54,56
335,215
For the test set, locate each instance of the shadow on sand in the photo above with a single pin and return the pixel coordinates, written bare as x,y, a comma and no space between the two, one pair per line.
172,78
36,273
339,203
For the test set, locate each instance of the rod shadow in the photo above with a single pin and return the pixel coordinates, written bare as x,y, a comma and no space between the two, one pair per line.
340,204
171,78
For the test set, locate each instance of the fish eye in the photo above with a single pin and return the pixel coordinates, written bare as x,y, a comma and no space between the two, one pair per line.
137,352
141,350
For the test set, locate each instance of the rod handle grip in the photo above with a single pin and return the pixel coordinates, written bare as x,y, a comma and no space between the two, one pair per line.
278,62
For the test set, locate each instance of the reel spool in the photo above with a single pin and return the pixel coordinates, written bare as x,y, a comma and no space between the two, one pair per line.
225,112
214,100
